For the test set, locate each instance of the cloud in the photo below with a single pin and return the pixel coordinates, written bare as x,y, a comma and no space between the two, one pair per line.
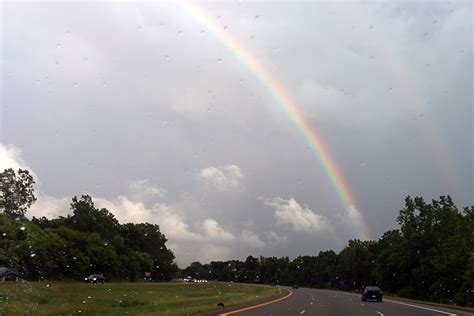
49,207
10,157
143,190
224,178
300,219
203,241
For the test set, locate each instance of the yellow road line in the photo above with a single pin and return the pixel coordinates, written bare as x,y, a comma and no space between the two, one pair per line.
255,306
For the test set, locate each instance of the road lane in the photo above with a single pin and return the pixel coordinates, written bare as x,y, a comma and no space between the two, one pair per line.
306,302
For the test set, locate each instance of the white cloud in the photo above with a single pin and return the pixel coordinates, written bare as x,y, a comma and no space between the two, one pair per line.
49,206
224,178
204,241
300,219
10,157
143,190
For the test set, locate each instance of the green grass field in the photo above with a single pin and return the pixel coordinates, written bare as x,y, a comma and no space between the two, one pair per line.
75,298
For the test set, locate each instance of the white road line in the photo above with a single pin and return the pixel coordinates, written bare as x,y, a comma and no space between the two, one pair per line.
302,312
379,313
421,307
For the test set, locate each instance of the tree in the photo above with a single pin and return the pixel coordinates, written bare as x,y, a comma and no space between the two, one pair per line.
16,192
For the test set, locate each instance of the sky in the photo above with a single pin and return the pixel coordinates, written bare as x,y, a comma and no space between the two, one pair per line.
161,118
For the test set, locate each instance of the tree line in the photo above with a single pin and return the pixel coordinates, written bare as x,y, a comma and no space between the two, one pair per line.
429,257
88,241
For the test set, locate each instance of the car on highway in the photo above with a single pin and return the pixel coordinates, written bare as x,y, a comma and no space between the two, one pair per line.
372,292
8,274
95,278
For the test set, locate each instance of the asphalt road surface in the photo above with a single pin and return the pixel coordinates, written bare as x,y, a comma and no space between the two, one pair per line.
306,302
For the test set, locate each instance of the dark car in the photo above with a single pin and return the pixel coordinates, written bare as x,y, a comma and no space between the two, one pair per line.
372,293
295,286
8,274
95,278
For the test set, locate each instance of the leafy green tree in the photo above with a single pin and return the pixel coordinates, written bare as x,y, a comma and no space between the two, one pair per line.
16,192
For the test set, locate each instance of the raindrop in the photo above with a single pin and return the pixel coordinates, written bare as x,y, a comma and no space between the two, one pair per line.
165,123
167,57
4,234
362,164
83,302
219,60
58,45
22,228
251,36
426,34
146,234
68,32
104,84
74,258
180,32
48,285
225,27
371,27
209,110
32,255
371,57
390,89
89,297
86,59
435,21
139,27
203,32
76,84
257,17
38,82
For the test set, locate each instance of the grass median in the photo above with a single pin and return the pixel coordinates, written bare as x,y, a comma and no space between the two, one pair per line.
76,298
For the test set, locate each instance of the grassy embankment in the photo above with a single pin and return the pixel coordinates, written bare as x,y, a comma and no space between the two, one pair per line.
75,298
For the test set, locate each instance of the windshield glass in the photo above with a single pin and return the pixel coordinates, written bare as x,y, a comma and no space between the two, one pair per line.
174,157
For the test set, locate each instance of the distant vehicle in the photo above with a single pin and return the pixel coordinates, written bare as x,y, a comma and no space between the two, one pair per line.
372,293
8,274
295,286
95,278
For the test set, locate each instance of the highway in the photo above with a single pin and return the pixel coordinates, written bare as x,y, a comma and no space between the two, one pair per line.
304,301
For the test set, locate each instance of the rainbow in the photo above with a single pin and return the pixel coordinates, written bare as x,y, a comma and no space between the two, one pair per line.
289,107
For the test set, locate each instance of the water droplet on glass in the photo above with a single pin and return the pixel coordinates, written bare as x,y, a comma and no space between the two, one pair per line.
251,36
139,27
390,89
426,34
58,45
257,17
32,255
86,59
38,82
165,123
104,84
76,84
371,27
219,60
48,285
22,228
180,32
203,32
209,110
225,27
4,234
